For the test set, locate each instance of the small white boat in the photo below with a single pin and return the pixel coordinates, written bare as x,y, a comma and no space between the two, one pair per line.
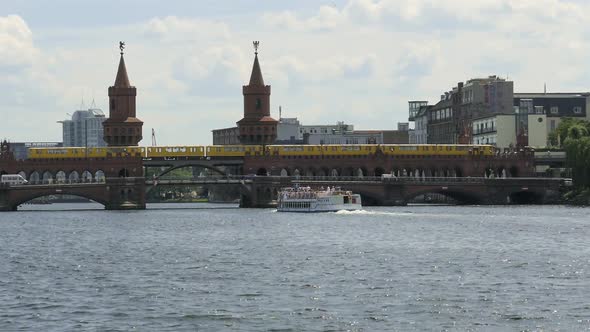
305,199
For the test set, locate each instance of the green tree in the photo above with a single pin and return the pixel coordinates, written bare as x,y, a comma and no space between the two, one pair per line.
560,134
577,147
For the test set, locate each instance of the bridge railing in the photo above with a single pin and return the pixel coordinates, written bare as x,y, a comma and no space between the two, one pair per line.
64,182
385,178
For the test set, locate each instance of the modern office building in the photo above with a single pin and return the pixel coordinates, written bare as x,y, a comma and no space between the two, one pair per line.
85,128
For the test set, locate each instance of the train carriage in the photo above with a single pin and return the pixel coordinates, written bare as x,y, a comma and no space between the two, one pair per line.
437,149
233,150
350,149
175,152
295,150
56,153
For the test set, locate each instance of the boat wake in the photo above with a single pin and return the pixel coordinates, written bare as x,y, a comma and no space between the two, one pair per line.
372,213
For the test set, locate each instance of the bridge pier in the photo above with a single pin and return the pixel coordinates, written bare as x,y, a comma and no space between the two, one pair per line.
125,194
5,204
263,192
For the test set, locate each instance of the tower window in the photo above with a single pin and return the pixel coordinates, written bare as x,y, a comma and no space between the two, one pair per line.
113,104
258,103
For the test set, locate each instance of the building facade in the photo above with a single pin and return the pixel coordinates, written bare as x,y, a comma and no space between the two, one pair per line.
226,136
498,130
420,132
288,130
554,106
450,120
85,128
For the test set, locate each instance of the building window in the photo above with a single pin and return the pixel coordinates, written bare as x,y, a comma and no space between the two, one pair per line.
552,125
577,110
554,110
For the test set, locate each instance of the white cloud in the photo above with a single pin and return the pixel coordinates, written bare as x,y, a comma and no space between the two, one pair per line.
16,42
174,29
359,62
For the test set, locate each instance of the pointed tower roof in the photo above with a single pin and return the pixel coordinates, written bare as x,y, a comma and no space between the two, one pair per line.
122,80
256,76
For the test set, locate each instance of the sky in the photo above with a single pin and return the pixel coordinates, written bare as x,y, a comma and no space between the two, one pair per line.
357,61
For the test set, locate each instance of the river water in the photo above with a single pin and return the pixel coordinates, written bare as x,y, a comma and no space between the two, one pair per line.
219,268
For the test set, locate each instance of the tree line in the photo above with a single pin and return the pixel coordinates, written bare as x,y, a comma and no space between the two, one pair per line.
573,135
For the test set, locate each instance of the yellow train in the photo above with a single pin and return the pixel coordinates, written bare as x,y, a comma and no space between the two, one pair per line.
184,152
234,150
437,149
81,152
220,151
319,150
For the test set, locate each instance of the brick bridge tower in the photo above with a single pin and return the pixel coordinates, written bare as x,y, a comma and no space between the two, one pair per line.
257,126
122,128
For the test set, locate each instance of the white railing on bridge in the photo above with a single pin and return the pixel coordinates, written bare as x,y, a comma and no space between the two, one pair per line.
386,179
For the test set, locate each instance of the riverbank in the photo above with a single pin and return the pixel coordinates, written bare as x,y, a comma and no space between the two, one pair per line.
577,197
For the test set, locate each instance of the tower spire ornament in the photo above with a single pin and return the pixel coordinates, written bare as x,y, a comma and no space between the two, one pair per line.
122,46
256,43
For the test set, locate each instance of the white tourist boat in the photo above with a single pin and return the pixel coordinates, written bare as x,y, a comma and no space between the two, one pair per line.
305,199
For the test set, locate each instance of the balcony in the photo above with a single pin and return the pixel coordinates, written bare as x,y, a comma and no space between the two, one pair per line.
481,131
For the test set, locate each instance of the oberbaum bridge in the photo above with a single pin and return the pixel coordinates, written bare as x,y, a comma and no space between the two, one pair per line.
258,178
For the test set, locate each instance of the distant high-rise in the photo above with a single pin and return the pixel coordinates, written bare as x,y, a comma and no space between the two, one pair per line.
84,129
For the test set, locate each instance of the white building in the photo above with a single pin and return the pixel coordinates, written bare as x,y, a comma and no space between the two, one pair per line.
288,129
357,137
339,128
420,135
498,130
537,130
84,129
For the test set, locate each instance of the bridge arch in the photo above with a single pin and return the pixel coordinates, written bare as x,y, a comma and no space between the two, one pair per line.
525,197
100,176
123,173
190,164
463,197
60,177
47,177
379,171
335,172
21,199
513,172
34,177
74,176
